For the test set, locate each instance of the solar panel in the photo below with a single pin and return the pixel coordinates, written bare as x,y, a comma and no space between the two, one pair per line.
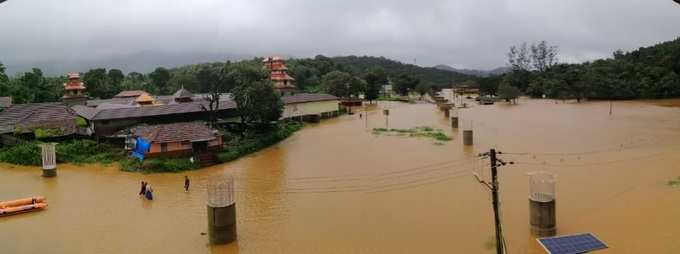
571,244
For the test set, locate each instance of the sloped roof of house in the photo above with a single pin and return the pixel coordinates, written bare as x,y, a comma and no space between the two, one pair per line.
198,105
38,115
183,93
129,93
307,97
175,132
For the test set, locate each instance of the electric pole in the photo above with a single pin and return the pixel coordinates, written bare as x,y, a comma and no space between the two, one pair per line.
493,186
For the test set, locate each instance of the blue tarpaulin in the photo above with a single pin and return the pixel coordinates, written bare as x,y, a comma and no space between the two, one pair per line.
141,147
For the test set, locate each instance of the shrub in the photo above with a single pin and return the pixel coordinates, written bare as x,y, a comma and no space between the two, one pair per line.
73,151
25,153
157,165
252,142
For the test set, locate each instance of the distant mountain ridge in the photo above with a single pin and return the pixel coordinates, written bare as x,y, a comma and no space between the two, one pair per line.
144,62
477,73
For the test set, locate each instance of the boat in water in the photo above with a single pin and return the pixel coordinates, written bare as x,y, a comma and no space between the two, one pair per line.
22,206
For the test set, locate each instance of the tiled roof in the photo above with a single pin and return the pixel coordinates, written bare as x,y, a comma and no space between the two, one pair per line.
126,100
307,97
85,111
38,115
175,132
157,110
198,105
129,93
183,93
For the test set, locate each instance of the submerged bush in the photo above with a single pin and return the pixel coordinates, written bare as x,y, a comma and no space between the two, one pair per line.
252,142
24,153
158,165
73,151
423,131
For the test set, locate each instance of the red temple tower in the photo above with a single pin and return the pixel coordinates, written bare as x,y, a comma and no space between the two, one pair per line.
281,81
74,90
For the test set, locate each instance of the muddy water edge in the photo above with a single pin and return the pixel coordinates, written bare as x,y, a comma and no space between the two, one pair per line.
336,187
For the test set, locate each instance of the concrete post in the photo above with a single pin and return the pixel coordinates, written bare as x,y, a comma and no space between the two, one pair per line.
221,210
49,160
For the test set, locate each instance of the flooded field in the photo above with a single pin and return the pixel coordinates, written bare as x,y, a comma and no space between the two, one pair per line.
336,187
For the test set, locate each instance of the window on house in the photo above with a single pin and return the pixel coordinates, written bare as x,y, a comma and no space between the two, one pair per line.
164,147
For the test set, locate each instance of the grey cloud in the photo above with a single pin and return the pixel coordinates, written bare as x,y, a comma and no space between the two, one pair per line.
461,33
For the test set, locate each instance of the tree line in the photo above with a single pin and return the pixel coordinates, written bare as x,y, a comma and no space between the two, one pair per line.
648,72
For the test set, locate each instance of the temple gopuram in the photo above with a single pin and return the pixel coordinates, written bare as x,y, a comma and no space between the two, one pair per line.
282,82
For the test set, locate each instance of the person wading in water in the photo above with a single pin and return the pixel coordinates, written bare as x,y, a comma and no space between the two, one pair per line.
142,191
186,184
149,192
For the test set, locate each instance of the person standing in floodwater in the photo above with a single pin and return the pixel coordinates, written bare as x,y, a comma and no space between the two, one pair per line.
142,191
149,192
186,184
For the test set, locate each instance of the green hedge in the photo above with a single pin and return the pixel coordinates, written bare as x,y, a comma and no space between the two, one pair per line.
252,142
158,165
25,153
77,151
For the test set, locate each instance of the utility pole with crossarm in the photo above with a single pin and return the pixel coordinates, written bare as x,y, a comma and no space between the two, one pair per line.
493,186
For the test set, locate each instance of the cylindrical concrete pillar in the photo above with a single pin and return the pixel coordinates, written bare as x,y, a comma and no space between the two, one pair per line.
542,218
454,122
221,210
542,214
49,160
467,137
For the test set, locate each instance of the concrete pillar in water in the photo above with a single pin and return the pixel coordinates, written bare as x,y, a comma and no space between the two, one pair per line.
49,160
467,137
221,210
542,212
454,122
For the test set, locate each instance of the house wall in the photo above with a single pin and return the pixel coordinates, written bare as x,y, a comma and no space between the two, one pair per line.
181,148
309,108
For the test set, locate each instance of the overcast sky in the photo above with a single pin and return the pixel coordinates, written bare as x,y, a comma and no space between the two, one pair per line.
460,33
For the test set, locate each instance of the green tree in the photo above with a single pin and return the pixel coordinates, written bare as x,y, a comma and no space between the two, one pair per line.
116,77
159,78
508,92
186,80
422,89
97,84
257,102
338,83
404,83
4,82
33,87
373,85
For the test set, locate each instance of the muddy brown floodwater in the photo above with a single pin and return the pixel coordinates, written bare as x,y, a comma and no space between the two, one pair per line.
335,187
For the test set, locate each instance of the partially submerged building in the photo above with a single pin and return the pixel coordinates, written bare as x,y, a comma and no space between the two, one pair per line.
310,107
179,139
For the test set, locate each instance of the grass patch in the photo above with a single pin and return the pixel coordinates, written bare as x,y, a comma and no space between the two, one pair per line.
674,182
422,131
76,151
158,165
250,142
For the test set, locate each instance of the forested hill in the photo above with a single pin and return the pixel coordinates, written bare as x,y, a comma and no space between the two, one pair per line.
359,65
309,72
648,72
